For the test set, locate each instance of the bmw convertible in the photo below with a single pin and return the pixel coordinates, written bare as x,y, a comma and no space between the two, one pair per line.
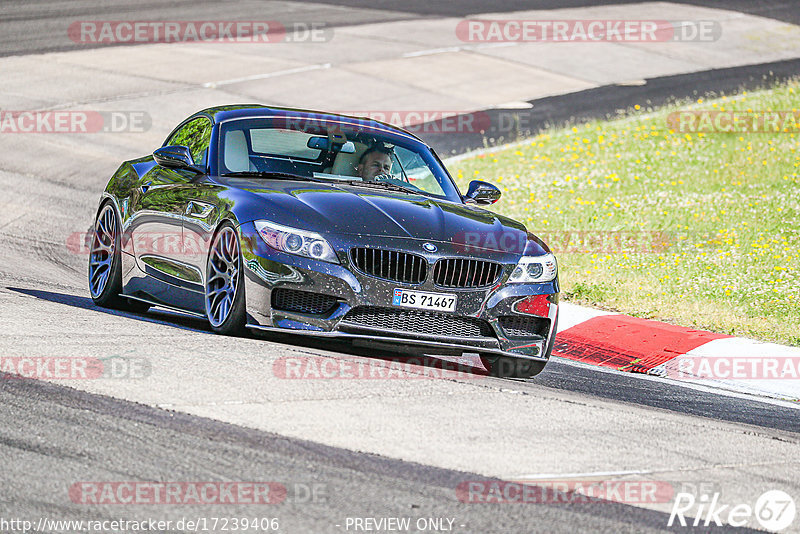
291,221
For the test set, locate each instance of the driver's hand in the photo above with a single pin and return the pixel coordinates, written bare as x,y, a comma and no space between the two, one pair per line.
383,176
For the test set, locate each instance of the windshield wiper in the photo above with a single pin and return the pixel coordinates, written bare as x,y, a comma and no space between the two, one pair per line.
270,174
383,185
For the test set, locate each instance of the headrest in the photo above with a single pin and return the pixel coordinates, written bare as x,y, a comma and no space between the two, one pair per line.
237,158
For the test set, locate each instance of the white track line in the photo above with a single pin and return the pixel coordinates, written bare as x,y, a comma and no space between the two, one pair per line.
296,70
591,474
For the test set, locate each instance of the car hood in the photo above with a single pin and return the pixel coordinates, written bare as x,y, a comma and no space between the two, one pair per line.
353,210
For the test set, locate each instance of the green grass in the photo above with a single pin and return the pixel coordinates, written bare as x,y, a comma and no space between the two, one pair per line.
710,221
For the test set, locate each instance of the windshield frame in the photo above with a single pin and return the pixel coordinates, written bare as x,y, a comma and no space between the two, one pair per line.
394,137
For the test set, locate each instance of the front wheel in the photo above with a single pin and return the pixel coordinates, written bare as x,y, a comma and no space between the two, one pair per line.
225,304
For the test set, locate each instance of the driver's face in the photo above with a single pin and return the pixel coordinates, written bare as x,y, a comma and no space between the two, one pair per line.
374,164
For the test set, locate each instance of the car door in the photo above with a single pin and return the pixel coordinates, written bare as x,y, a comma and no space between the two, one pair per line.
157,232
200,217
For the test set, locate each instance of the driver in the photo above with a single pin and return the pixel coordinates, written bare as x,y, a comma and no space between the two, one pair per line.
375,163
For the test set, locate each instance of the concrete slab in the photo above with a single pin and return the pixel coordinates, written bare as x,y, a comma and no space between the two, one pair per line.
324,89
622,63
345,46
743,41
191,63
481,79
424,34
36,82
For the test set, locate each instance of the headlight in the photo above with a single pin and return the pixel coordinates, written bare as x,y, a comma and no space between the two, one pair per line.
534,269
294,241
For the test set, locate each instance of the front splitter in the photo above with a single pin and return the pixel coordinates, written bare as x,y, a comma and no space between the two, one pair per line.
452,347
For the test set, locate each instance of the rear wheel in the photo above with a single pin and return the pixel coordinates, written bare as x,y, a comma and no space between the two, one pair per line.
225,306
105,264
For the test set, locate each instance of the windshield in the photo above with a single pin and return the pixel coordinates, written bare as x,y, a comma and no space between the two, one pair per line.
340,151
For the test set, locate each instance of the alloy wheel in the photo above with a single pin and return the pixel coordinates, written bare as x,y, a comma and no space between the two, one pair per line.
222,276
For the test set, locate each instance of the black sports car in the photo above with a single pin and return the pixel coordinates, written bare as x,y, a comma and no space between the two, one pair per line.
292,221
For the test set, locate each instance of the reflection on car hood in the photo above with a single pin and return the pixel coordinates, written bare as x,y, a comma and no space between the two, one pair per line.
353,210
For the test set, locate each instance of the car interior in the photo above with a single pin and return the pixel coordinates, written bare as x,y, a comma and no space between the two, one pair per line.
326,157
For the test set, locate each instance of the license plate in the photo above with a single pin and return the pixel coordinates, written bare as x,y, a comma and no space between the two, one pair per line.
423,300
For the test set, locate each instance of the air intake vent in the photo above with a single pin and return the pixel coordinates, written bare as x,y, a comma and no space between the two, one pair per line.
458,272
519,326
390,264
418,322
302,301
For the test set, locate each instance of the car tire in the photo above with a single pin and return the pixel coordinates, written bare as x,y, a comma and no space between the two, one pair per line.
507,367
224,287
105,263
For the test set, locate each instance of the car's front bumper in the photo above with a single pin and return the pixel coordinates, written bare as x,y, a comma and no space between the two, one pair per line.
267,270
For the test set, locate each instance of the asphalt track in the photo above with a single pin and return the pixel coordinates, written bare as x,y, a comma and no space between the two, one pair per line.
62,432
53,435
561,375
28,27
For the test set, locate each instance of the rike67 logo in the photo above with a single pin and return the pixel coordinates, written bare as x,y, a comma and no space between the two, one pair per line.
774,510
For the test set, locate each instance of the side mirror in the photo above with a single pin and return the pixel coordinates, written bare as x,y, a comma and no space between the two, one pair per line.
175,157
480,192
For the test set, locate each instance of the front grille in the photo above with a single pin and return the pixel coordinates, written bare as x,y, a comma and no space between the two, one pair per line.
520,326
390,264
302,301
458,272
419,322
